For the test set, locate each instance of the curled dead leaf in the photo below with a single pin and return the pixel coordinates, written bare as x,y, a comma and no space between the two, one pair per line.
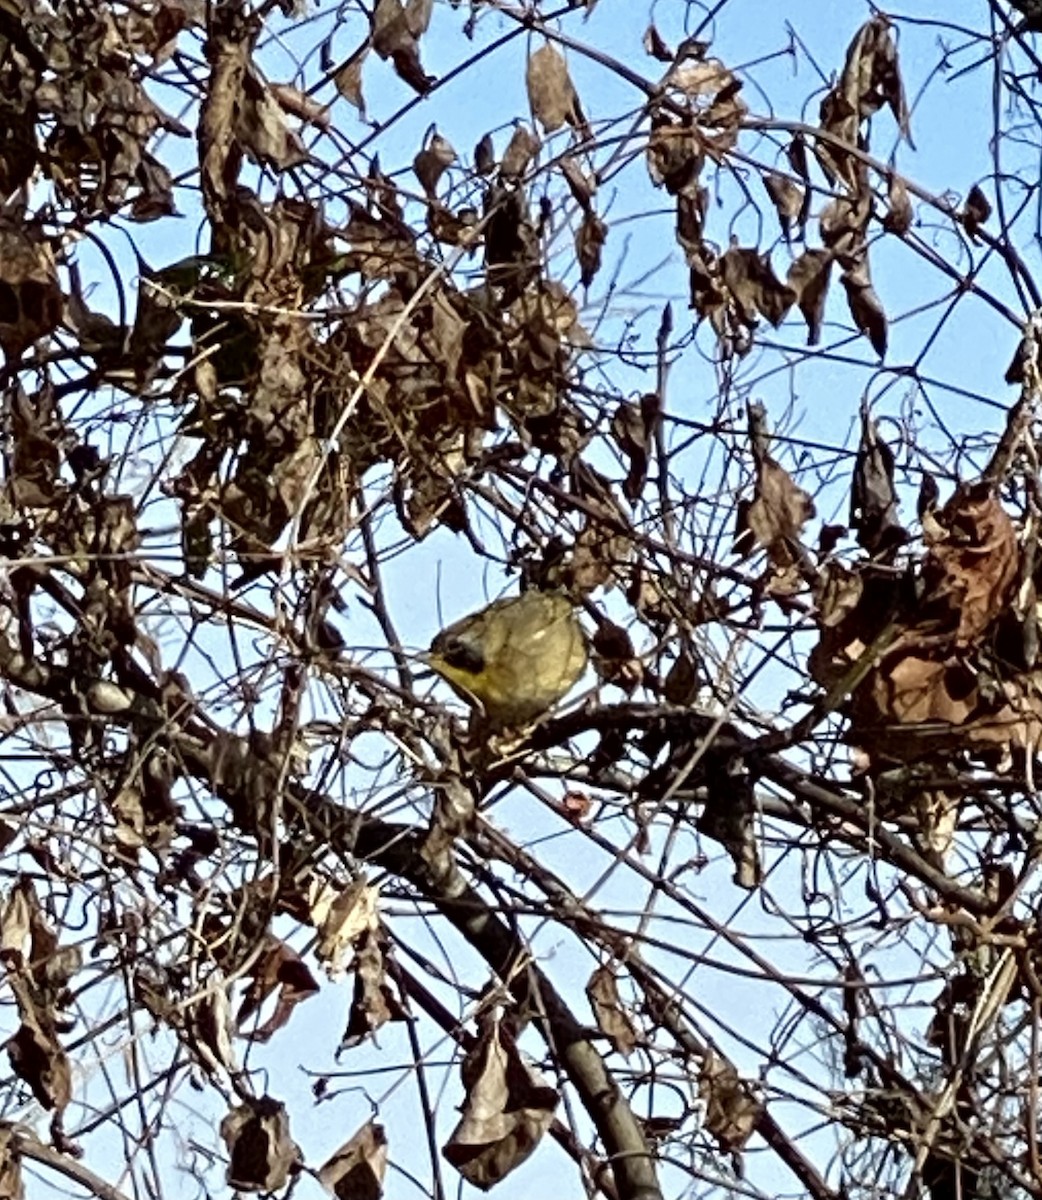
602,990
865,306
507,1109
551,92
809,278
356,1170
261,1153
732,1112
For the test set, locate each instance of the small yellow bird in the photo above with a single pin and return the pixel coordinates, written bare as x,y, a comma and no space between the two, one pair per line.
514,659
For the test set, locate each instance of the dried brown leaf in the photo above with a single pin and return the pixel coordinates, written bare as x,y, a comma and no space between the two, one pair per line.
602,990
261,1152
418,15
872,76
729,813
674,154
395,35
614,658
582,186
261,127
843,224
701,77
976,210
865,306
432,162
507,1109
348,79
787,197
633,427
775,516
37,1057
551,92
341,917
29,288
732,1113
374,1002
11,1185
356,1171
898,218
873,498
299,104
589,244
682,681
970,571
208,1027
278,968
655,46
521,149
750,278
485,155
809,278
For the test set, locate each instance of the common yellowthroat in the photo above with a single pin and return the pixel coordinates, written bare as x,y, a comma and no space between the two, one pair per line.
514,659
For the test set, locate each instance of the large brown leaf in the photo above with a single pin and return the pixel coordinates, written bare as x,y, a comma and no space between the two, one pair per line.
506,1110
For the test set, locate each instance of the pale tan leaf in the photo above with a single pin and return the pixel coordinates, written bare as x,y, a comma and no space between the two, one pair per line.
356,1171
348,80
507,1109
551,92
612,1018
260,1150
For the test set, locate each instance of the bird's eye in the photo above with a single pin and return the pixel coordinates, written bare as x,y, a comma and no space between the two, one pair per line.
465,656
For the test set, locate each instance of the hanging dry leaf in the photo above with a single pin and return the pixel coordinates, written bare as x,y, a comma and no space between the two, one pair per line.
633,427
582,186
589,244
976,210
729,815
750,278
11,1185
809,278
865,306
507,1109
521,149
374,1002
261,1153
612,1019
356,1171
774,518
348,79
682,682
261,127
36,1055
208,1027
844,223
898,218
674,153
395,35
418,15
341,917
485,155
32,295
970,570
551,92
614,658
300,105
871,78
655,46
787,197
278,968
732,1112
873,498
432,162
